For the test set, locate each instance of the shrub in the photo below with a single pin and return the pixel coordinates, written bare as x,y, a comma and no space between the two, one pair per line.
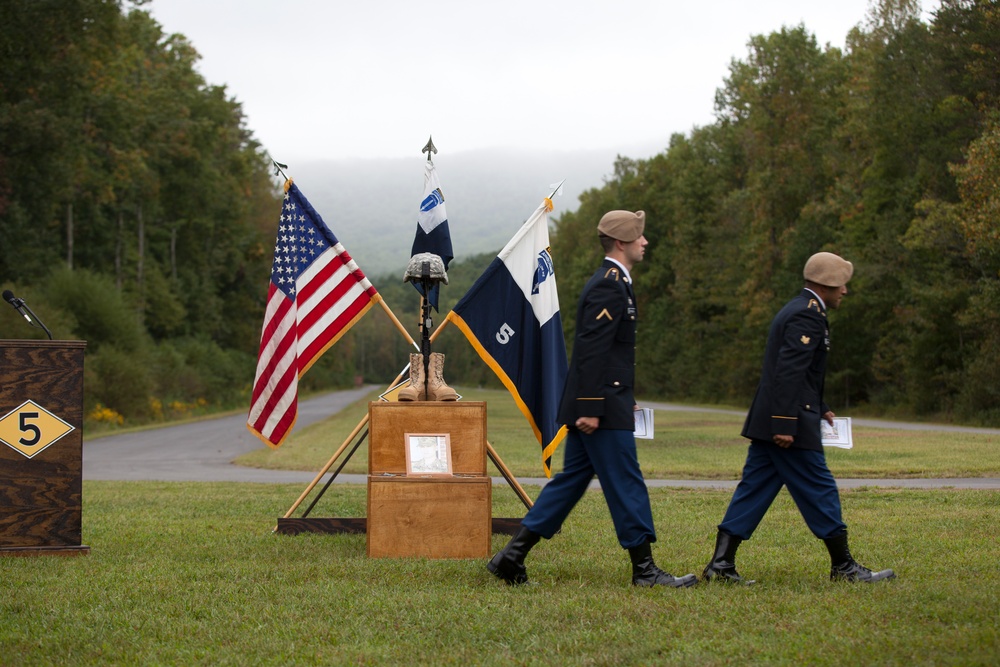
100,314
120,381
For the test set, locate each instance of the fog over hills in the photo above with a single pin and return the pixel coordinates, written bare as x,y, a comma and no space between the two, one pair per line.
371,205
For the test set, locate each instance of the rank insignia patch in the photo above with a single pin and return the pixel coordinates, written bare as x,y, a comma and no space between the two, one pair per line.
805,340
604,313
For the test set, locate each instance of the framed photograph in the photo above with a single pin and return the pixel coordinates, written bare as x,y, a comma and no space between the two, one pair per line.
838,435
428,453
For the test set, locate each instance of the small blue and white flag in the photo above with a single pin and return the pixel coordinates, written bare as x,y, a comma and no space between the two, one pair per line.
433,235
511,317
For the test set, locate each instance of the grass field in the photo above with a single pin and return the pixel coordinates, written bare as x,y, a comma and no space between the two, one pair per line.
688,445
190,574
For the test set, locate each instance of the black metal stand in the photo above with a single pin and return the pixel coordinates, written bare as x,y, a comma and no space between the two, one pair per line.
426,323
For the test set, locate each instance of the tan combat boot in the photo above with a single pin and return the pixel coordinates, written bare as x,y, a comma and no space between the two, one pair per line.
437,390
416,390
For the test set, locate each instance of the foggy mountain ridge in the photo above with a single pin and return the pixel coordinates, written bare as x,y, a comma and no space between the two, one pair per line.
371,205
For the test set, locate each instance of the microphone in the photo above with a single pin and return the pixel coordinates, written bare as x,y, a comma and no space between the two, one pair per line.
18,304
23,308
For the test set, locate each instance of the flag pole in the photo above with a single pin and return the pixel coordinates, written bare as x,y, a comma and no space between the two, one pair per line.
556,188
399,325
278,168
336,455
508,475
329,464
438,330
429,148
336,472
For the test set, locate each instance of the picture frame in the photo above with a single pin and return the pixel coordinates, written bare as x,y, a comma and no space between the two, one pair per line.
428,453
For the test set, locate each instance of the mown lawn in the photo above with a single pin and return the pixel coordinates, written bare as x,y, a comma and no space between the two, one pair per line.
190,574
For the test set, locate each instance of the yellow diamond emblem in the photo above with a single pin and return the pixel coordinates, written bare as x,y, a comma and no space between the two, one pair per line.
392,393
30,428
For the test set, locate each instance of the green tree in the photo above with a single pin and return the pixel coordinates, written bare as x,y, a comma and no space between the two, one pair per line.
979,184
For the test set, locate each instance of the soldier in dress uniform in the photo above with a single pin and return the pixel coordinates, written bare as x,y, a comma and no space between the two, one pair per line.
783,427
597,407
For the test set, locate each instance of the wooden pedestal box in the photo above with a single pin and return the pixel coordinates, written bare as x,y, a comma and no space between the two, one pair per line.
429,517
388,423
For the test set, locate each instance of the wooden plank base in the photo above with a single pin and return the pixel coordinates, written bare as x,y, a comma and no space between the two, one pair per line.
506,526
322,525
501,526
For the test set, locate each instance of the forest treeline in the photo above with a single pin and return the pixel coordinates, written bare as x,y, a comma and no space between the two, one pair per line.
138,212
887,153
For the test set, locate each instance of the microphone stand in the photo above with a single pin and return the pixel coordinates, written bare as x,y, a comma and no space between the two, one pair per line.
42,324
20,306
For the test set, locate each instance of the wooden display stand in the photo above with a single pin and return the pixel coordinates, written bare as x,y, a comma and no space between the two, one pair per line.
41,453
431,516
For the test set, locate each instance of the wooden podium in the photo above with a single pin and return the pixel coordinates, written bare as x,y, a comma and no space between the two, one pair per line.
428,515
41,447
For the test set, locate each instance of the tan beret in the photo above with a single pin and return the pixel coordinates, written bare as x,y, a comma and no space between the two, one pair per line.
623,226
827,269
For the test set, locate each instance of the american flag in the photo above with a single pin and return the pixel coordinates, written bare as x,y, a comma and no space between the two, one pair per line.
317,293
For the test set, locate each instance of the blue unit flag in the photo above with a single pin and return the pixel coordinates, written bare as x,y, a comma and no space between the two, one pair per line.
511,317
433,234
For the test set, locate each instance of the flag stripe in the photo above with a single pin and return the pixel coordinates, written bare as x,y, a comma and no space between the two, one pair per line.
276,340
278,374
280,410
337,329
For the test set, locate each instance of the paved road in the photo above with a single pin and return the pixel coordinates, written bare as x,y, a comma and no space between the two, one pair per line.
204,451
201,451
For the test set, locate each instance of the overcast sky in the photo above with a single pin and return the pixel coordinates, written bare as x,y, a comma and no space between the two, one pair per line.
374,78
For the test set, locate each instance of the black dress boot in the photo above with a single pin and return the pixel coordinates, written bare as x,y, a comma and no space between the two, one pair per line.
508,563
723,564
843,567
646,574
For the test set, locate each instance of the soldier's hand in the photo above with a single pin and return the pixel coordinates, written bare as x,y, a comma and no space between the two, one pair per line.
784,441
587,424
